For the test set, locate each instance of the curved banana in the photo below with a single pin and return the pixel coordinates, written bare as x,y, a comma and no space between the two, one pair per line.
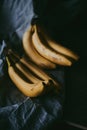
47,53
40,73
32,53
35,69
22,68
26,72
58,47
31,90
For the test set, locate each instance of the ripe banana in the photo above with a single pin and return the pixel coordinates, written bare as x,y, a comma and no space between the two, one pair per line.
32,53
31,90
47,52
35,69
38,72
58,47
26,70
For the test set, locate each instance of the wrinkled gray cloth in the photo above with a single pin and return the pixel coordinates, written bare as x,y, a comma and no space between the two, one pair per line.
18,112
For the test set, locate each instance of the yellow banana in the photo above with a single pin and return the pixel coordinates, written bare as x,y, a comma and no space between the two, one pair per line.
25,70
32,53
58,47
34,68
38,72
31,90
48,53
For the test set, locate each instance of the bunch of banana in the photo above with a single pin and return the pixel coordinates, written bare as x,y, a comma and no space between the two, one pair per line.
34,82
26,72
45,52
56,46
33,54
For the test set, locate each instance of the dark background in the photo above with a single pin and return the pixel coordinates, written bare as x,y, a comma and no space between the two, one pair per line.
66,22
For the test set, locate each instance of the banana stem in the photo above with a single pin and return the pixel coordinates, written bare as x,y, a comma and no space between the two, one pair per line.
8,62
14,54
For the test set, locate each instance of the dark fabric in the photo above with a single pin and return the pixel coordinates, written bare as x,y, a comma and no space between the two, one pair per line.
18,112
